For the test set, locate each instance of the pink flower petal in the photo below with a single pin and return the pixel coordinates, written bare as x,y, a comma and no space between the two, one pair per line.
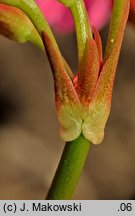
99,12
60,18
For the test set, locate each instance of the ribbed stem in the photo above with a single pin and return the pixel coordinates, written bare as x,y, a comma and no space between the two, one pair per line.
69,169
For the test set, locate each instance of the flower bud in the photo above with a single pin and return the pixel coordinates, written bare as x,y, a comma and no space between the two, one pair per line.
83,103
15,25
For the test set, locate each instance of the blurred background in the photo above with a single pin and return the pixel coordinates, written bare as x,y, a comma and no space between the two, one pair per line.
30,146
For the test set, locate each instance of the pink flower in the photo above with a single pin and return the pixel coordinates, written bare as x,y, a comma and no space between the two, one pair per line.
60,18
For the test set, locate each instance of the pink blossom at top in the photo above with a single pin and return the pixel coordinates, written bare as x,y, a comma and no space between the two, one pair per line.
60,18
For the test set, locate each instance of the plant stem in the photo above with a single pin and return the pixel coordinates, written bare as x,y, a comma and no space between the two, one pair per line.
83,30
76,151
69,169
117,13
81,21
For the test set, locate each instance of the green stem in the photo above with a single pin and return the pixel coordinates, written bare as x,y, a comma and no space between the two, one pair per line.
118,8
83,30
69,169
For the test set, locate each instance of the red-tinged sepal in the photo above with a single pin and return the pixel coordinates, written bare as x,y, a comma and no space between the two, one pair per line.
15,25
67,102
86,79
98,41
99,109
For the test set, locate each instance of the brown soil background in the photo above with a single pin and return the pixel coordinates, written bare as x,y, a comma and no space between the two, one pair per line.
30,146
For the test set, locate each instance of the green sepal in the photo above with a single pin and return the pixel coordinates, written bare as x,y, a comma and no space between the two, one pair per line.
67,102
